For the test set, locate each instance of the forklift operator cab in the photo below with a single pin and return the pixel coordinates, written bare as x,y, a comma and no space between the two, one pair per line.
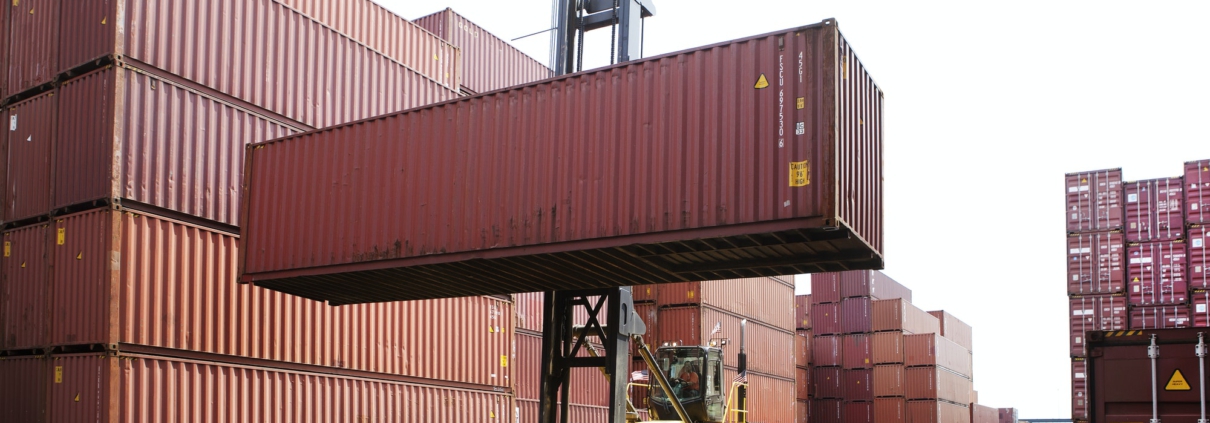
696,376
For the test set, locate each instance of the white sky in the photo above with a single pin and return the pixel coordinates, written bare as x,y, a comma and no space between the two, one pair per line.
987,106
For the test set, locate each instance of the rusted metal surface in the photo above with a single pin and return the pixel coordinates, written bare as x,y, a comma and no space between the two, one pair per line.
873,284
887,347
825,350
766,300
935,382
23,391
770,350
859,412
1160,317
1079,389
857,351
802,311
984,414
1197,191
33,37
888,380
935,350
859,384
1095,313
828,382
1155,210
550,232
890,410
802,348
23,296
30,140
825,288
900,315
1199,257
1096,263
488,62
1156,272
933,411
825,319
856,315
1094,200
955,329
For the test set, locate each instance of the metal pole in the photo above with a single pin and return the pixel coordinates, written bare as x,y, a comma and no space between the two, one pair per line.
1201,373
1153,352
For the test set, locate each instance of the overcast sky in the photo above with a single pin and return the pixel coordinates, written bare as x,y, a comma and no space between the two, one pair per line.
987,106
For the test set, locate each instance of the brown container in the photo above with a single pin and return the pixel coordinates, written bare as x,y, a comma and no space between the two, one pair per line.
527,366
1199,257
887,347
802,412
890,410
650,314
123,278
900,315
1197,192
761,299
1156,273
857,351
1008,415
645,293
770,399
1096,263
856,315
859,412
33,35
802,383
23,295
575,235
802,348
934,350
769,349
1199,308
1094,200
125,134
4,52
828,382
934,411
98,387
23,392
859,385
825,350
954,329
825,319
936,383
888,380
1095,313
825,288
30,140
1154,210
984,414
873,284
528,306
488,62
527,412
1160,317
827,411
1079,389
802,311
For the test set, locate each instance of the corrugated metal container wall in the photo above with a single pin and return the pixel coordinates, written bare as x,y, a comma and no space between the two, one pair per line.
855,315
1157,273
827,411
888,380
24,294
769,349
88,31
488,62
802,383
984,414
890,410
527,366
887,347
802,348
936,383
859,412
32,55
4,55
802,411
122,277
955,329
934,350
1159,317
166,145
1199,257
1200,308
285,252
825,288
1096,263
872,283
859,385
1008,415
770,399
23,391
802,311
825,319
1094,200
30,140
1079,390
528,306
857,352
1154,211
900,315
91,387
1197,191
825,350
828,382
650,313
644,293
761,299
1094,313
936,412
527,412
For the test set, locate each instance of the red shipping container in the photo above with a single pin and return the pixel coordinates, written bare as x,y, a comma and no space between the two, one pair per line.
769,349
30,140
984,414
802,413
1154,211
936,383
802,311
933,411
644,293
825,319
858,412
527,412
770,399
1159,317
900,315
954,329
859,385
1197,191
873,284
825,350
1009,415
1157,273
934,350
888,380
1096,263
802,348
1200,308
527,365
856,315
827,411
1095,313
4,52
857,351
488,62
23,391
1199,256
765,300
825,288
1079,390
1094,200
802,383
32,59
528,306
828,382
650,313
23,295
890,410
888,347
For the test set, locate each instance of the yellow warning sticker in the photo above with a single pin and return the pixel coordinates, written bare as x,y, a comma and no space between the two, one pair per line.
80,256
801,103
689,294
58,374
504,361
8,248
61,236
762,82
77,398
1177,382
800,173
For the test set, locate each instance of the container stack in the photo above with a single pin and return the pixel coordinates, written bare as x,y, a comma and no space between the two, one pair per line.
489,63
802,356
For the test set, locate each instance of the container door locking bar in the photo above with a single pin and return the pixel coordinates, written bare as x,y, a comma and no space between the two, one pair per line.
1153,352
1200,350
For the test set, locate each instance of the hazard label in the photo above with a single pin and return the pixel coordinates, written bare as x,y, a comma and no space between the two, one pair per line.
1177,382
800,174
762,82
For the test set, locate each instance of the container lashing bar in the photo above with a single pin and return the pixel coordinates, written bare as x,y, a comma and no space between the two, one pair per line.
1200,350
1153,352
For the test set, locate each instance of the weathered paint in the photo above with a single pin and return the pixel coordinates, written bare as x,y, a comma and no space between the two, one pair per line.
23,293
29,139
33,36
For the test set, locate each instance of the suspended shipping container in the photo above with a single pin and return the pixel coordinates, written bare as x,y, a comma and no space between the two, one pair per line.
23,295
765,299
1154,211
488,62
1094,200
1096,263
1157,273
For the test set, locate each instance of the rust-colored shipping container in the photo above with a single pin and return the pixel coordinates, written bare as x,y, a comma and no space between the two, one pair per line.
33,34
825,288
1160,317
1095,313
770,399
825,350
1079,389
765,299
1199,257
101,387
900,315
856,315
934,411
770,350
527,366
827,411
983,414
257,51
802,383
1197,192
1157,273
1096,263
488,62
934,382
859,412
23,295
645,293
1199,308
873,284
888,380
528,306
1008,415
1094,200
546,234
23,390
802,348
828,382
1154,210
123,133
802,311
887,347
890,410
857,351
825,319
955,329
859,385
29,141
527,412
122,277
934,350
802,413
650,313
5,59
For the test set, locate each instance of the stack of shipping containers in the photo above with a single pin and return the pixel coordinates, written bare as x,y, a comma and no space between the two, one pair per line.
802,357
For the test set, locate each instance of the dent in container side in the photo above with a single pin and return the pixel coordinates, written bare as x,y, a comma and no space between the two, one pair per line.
1096,263
1094,200
1197,192
23,295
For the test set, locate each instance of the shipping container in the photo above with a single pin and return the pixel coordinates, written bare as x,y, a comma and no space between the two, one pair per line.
125,134
856,315
31,58
1159,317
23,295
23,391
542,236
1154,211
770,399
5,58
770,350
934,382
900,315
528,306
1094,200
859,412
890,410
802,413
766,300
645,293
1096,263
527,412
1079,389
859,385
1199,256
827,411
888,380
802,383
29,141
1096,313
1197,191
1157,273
825,350
1118,369
488,62
527,366
887,347
1008,415
828,382
825,319
802,311
873,284
825,288
954,329
802,348
105,387
650,313
1200,308
934,411
122,277
983,414
934,350
857,351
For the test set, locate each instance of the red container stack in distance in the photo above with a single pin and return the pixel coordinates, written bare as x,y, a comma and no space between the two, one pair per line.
1096,263
1154,211
1197,192
1157,273
1094,201
1095,313
1199,257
